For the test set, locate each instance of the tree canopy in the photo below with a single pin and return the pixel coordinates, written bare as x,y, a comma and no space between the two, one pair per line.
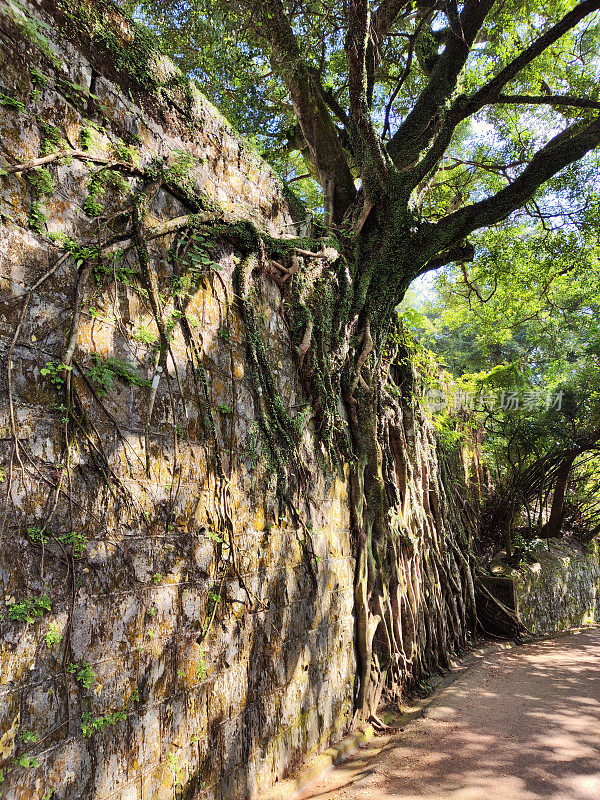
521,331
462,111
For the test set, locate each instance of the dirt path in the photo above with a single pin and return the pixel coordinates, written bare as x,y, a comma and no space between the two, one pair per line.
522,724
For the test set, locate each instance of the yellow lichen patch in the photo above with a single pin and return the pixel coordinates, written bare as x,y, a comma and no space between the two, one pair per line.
59,211
72,129
83,393
165,790
238,370
259,519
25,142
191,670
236,328
96,337
178,347
7,742
220,390
204,306
17,201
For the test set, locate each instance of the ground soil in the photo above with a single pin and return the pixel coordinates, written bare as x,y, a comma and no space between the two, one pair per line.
519,724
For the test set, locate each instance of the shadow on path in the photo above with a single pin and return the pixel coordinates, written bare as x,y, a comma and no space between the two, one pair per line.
522,724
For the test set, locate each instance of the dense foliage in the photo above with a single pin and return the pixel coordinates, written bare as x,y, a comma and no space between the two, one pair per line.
227,46
520,332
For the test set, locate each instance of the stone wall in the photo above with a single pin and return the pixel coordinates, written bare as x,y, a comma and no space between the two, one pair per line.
169,628
561,590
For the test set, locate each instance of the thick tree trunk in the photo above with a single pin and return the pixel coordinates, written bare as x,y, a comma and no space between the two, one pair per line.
413,592
414,596
552,528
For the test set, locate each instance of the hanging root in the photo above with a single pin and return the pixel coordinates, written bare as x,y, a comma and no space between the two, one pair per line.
305,343
367,349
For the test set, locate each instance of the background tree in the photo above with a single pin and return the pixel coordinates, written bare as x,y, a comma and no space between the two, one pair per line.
525,321
422,122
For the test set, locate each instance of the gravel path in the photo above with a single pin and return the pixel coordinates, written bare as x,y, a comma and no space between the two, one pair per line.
521,724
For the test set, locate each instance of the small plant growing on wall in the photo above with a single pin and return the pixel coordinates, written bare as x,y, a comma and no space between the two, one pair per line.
145,335
52,138
53,634
29,610
39,81
11,102
37,217
91,725
37,535
99,184
41,182
54,371
83,674
75,539
214,598
102,374
26,761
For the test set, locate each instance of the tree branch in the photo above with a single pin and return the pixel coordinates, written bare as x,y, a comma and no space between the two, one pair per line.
384,17
465,107
546,99
382,21
568,146
462,252
491,90
270,23
374,168
405,73
419,127
335,107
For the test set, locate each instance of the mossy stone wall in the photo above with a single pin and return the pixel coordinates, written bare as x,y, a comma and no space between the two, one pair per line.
199,638
561,590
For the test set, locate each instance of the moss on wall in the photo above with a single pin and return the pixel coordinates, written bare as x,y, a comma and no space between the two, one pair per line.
561,590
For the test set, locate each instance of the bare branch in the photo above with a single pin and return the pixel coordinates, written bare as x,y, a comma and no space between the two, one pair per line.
78,154
299,177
